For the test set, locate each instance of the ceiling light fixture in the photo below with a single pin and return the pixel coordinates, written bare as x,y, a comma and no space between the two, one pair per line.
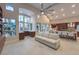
73,5
62,9
63,14
53,12
42,12
48,14
73,12
38,16
56,16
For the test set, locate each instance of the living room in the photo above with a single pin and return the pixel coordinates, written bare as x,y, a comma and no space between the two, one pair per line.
39,28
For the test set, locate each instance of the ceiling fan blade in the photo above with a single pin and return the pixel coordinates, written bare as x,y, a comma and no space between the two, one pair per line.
51,10
41,6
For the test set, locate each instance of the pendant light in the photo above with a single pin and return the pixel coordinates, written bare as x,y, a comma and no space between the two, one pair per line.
43,18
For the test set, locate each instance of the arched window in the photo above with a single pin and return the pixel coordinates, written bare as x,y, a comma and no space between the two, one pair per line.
26,22
9,7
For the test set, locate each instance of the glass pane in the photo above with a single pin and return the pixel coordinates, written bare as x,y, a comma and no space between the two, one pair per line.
9,7
13,24
21,27
26,27
7,21
25,19
12,21
3,20
42,27
30,26
20,18
29,20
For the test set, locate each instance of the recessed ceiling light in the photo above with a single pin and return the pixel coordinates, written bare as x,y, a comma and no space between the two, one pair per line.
62,9
73,5
63,14
53,12
73,12
48,14
38,16
56,16
42,12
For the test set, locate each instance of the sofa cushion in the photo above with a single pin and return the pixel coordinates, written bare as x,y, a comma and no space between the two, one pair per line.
50,42
53,36
44,34
46,39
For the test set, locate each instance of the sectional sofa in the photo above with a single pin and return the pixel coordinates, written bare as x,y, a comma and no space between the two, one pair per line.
50,39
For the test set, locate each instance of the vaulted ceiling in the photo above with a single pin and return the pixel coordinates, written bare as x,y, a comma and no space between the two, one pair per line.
57,11
38,5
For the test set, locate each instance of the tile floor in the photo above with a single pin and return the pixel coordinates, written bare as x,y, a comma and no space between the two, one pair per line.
29,46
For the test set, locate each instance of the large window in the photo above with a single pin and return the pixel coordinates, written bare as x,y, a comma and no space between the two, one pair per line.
28,22
25,23
42,27
9,27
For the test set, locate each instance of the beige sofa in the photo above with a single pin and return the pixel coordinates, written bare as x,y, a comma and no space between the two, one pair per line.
49,39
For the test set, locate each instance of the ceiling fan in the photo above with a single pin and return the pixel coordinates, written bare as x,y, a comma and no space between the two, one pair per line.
43,17
47,11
